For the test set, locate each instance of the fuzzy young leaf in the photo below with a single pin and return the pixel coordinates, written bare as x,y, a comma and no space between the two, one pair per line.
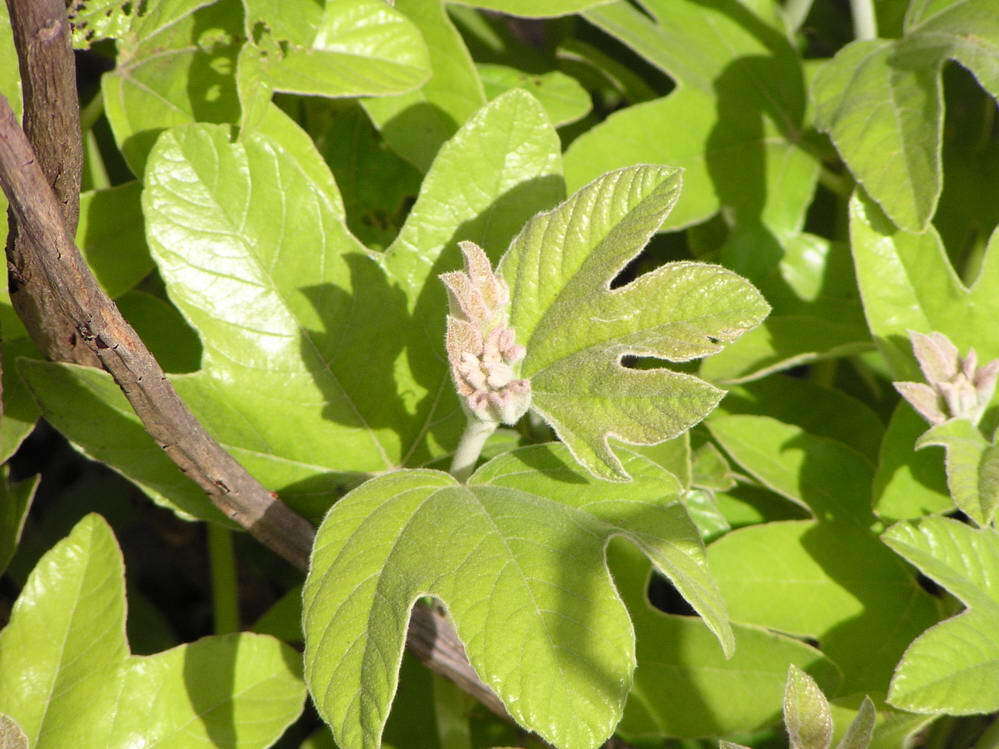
555,646
576,329
953,667
861,729
806,712
972,467
66,675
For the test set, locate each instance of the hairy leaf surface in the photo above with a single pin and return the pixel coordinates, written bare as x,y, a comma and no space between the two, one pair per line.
518,557
577,329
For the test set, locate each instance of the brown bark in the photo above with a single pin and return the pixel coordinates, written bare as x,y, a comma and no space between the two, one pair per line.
52,124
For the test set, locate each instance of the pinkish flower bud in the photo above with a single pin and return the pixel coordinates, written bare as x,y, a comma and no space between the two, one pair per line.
481,345
955,388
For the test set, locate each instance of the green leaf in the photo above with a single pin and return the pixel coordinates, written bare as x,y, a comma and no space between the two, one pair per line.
972,467
891,728
175,68
108,430
907,283
817,313
95,20
111,234
377,186
417,124
881,102
345,48
684,687
555,647
15,501
166,334
734,121
563,98
20,412
793,576
908,483
819,410
785,341
10,87
806,712
824,475
281,378
67,630
953,667
861,730
577,330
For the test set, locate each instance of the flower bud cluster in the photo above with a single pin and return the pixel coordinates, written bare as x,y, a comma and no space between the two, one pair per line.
481,346
955,387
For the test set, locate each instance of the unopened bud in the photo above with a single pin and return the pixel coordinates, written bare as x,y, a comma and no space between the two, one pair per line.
481,346
955,388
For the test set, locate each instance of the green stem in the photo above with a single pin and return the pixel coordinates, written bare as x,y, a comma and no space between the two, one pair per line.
865,23
795,13
835,183
225,589
470,447
92,112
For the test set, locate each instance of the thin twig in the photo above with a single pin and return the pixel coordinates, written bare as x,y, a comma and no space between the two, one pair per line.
52,124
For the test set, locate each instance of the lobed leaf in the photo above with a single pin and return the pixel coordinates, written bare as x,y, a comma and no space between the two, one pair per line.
880,101
67,678
954,666
557,648
577,330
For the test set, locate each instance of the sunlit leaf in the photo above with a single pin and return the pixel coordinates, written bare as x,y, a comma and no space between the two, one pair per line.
557,648
67,635
577,329
954,667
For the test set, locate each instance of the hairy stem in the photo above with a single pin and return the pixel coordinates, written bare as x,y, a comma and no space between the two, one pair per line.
225,586
470,447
